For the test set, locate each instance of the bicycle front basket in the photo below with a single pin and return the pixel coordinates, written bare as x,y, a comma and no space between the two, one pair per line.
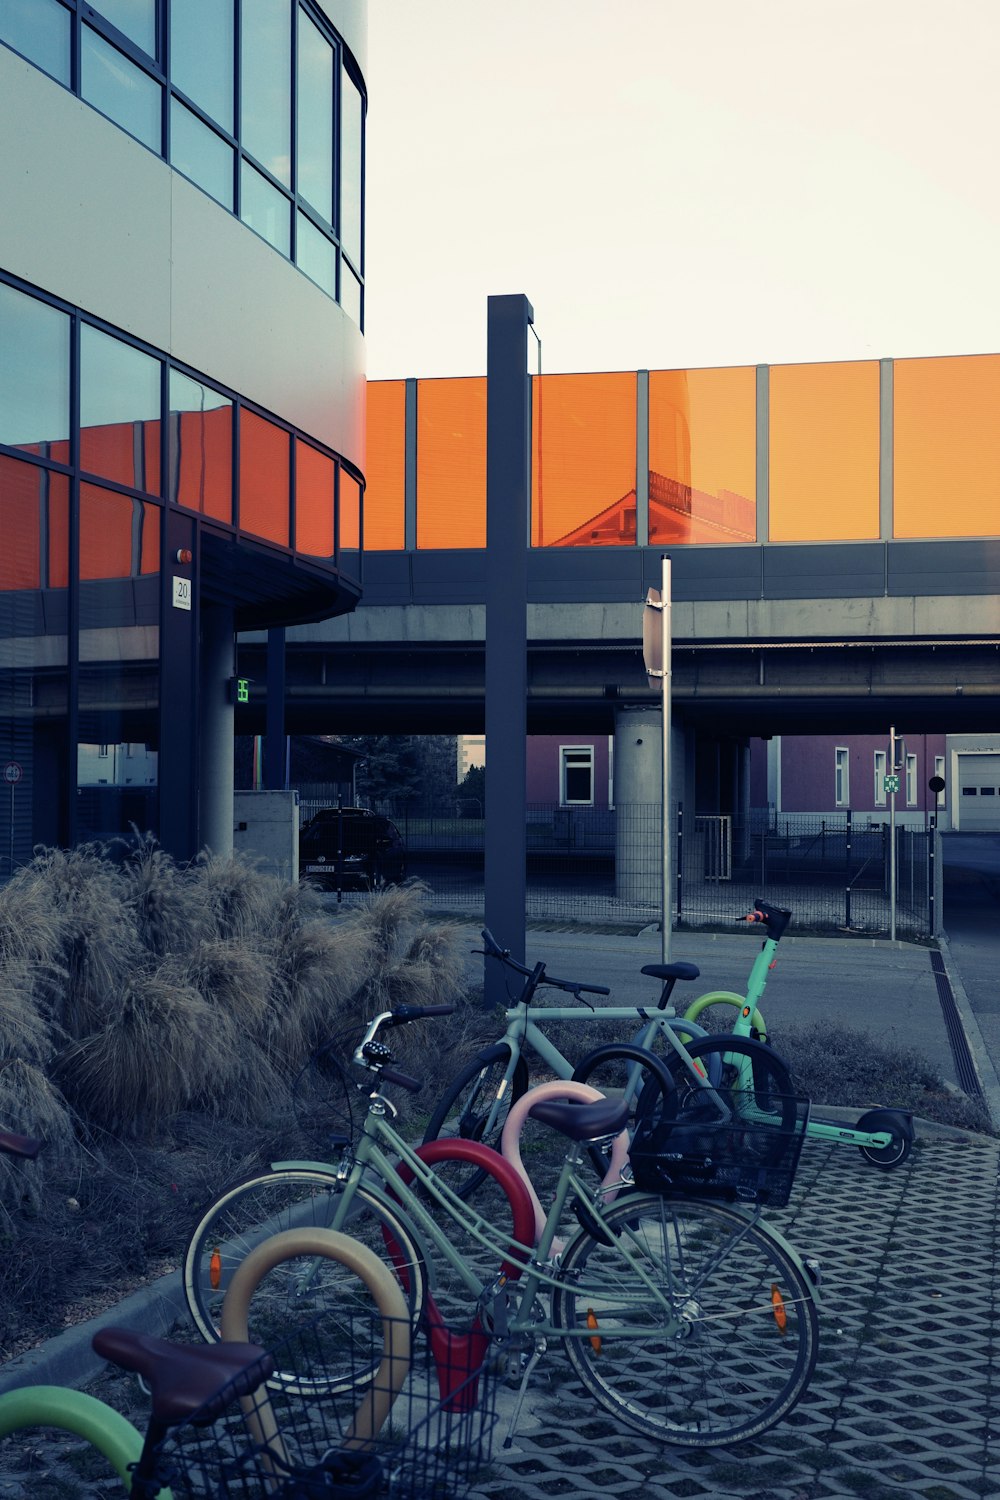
749,1157
422,1428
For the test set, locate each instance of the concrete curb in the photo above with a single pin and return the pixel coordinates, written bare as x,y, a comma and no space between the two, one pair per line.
986,1072
68,1358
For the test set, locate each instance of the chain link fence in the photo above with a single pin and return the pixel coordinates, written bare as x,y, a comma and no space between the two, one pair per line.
603,865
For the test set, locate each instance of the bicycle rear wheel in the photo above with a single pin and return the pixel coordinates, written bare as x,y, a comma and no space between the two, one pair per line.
248,1213
727,1350
476,1104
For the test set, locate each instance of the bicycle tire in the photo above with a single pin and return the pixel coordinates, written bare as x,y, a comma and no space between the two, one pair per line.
745,1347
594,1067
465,1105
250,1211
749,1076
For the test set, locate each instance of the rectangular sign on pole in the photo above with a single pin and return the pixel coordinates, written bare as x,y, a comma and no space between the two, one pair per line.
656,651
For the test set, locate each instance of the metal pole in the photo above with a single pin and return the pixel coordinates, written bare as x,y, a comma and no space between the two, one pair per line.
892,837
665,640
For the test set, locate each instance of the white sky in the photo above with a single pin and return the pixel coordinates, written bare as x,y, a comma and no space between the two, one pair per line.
682,182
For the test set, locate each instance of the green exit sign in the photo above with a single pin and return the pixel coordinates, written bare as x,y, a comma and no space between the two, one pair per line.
239,689
892,783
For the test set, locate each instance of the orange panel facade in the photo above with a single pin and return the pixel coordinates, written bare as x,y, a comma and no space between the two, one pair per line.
385,470
264,478
824,452
583,460
702,455
349,512
315,476
204,462
451,463
946,447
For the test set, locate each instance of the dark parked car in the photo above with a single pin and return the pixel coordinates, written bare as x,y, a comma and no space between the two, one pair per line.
352,848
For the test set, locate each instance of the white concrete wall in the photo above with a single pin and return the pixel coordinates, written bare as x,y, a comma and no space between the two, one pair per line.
266,826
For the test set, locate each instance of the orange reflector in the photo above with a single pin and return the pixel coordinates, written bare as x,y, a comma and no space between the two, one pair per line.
215,1269
778,1307
592,1323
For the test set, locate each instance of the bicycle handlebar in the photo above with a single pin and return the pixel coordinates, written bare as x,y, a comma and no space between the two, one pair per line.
776,918
492,949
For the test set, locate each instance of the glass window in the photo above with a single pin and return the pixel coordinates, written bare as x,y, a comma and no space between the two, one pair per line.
135,19
939,771
911,781
350,292
316,256
201,448
351,157
583,460
315,476
576,774
702,455
39,30
842,787
202,49
451,463
264,491
119,411
266,92
824,452
120,90
200,154
385,471
880,793
34,372
265,209
349,513
946,442
314,138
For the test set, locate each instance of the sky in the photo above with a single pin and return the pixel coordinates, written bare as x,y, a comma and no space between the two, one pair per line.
682,183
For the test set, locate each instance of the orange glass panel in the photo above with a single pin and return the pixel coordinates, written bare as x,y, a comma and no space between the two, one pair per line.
58,531
105,533
314,501
203,465
385,467
20,525
350,512
702,455
127,452
451,463
946,446
824,452
583,460
264,493
149,544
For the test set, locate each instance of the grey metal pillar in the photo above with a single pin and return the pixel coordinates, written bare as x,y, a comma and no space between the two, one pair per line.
218,661
275,741
638,815
508,487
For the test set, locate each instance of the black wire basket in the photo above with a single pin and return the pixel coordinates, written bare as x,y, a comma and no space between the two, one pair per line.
747,1154
422,1428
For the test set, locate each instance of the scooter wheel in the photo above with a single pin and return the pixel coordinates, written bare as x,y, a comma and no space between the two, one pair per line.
899,1126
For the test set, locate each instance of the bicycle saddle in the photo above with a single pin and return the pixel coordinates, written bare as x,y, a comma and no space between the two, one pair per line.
184,1378
583,1122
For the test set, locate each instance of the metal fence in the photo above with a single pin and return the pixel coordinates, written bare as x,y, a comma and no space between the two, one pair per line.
603,865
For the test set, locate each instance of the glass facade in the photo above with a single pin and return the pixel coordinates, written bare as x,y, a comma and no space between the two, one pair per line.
223,100
819,434
89,493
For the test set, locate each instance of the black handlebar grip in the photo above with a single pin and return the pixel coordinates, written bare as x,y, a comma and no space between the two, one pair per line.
418,1012
392,1075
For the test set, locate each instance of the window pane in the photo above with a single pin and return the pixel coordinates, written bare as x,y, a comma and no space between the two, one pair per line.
201,448
385,469
200,154
314,501
119,411
266,98
265,209
315,119
583,460
351,160
202,49
946,439
39,29
451,463
34,372
824,458
350,292
120,90
316,256
264,495
349,513
136,19
351,156
702,455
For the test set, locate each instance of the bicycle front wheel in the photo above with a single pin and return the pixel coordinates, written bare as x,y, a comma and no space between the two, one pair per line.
722,1353
476,1104
297,1290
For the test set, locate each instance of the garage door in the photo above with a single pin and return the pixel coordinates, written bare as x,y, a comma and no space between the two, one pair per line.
978,792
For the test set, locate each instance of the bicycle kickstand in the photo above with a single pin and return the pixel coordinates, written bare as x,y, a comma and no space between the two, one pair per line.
529,1369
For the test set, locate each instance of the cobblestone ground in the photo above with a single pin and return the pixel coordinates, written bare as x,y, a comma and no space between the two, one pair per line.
905,1400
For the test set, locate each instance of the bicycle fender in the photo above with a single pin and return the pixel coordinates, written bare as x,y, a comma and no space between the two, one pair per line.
810,1277
304,1166
74,1411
